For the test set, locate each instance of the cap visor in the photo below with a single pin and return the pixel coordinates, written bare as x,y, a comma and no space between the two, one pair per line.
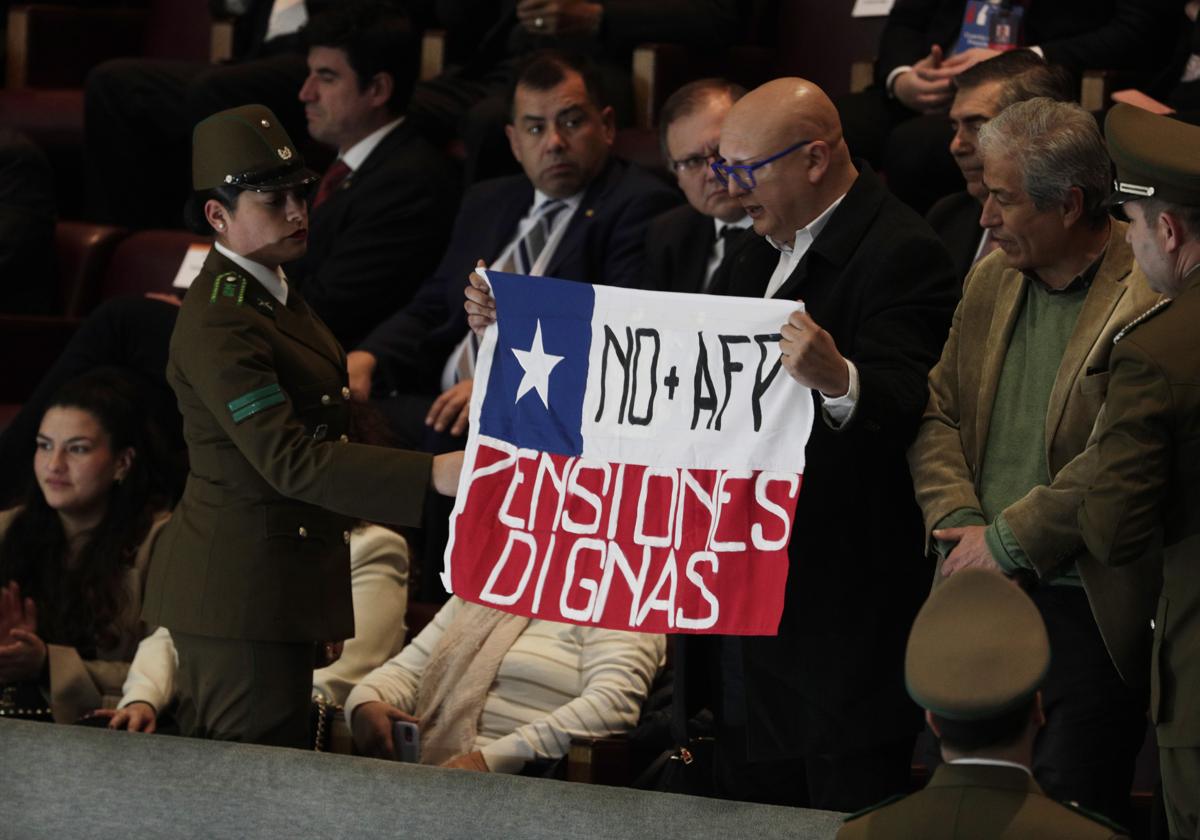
287,180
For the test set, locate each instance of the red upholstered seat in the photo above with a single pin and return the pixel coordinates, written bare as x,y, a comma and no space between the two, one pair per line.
146,261
82,251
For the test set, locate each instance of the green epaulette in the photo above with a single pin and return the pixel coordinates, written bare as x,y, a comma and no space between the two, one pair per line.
1141,319
1116,828
249,404
875,807
228,287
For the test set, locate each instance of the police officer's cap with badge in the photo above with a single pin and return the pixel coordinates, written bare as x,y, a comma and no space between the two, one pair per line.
243,148
977,650
1156,157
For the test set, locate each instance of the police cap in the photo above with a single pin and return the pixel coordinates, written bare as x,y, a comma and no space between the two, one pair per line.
978,648
246,147
1156,156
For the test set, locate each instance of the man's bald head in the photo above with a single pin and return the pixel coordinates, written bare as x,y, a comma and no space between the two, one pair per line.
793,190
784,111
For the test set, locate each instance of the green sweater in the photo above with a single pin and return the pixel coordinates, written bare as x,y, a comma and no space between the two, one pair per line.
1014,460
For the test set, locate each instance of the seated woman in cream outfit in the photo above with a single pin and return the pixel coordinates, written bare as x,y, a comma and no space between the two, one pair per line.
493,691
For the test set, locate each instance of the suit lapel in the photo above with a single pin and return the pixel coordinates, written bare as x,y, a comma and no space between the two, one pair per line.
575,235
1009,298
297,321
506,218
1106,291
836,243
696,246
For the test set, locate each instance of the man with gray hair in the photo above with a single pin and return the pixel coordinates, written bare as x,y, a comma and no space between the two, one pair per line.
996,463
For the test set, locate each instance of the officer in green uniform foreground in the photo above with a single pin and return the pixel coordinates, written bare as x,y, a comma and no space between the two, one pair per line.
976,655
1146,448
254,567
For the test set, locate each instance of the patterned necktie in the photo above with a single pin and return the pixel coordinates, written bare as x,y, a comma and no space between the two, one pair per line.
525,255
330,181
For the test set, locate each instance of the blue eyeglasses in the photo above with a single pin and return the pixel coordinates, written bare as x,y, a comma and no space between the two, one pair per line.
743,173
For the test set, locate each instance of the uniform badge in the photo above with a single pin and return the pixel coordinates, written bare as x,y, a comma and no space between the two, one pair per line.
229,285
265,306
285,153
321,431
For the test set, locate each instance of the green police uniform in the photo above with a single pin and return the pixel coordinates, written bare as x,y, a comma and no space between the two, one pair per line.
1147,481
255,564
977,651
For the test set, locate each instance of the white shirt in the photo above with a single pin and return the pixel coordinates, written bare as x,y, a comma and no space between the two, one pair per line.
360,151
839,409
274,282
718,250
287,16
505,260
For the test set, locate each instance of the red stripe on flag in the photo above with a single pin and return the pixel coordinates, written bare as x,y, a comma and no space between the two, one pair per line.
625,546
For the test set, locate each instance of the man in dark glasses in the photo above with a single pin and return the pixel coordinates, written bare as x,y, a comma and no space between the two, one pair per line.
818,715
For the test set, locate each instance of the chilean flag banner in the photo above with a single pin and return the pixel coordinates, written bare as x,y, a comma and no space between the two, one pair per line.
633,462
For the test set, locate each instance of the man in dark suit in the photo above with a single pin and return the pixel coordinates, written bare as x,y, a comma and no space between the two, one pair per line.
383,211
901,119
980,93
685,245
818,714
585,211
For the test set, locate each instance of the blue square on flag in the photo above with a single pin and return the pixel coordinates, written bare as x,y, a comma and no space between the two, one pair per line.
539,368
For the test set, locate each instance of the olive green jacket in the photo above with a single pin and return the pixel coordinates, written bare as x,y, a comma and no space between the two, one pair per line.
258,546
1147,488
977,802
946,457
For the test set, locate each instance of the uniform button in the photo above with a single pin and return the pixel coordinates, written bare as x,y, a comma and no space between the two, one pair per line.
346,537
303,532
326,399
345,393
344,439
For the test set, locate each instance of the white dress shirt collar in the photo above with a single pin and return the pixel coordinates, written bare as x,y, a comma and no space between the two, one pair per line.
360,151
992,762
274,282
790,255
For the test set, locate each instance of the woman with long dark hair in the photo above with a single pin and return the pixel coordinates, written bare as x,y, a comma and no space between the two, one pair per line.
73,556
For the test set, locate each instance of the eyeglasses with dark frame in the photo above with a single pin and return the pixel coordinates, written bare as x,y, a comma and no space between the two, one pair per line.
694,163
743,173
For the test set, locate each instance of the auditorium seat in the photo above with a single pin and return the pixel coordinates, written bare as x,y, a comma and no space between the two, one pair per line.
82,252
146,261
50,49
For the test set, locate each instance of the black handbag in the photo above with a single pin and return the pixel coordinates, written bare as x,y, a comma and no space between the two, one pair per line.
24,701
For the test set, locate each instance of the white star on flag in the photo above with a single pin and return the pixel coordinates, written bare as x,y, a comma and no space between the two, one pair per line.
537,364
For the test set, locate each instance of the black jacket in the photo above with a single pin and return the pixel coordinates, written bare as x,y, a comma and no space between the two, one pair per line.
832,681
378,235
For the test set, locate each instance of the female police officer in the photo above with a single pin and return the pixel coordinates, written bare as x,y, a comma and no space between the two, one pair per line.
254,566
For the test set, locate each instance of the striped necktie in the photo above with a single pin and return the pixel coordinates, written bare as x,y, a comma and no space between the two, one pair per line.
525,255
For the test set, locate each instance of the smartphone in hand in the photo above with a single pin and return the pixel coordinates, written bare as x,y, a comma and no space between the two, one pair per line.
406,736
